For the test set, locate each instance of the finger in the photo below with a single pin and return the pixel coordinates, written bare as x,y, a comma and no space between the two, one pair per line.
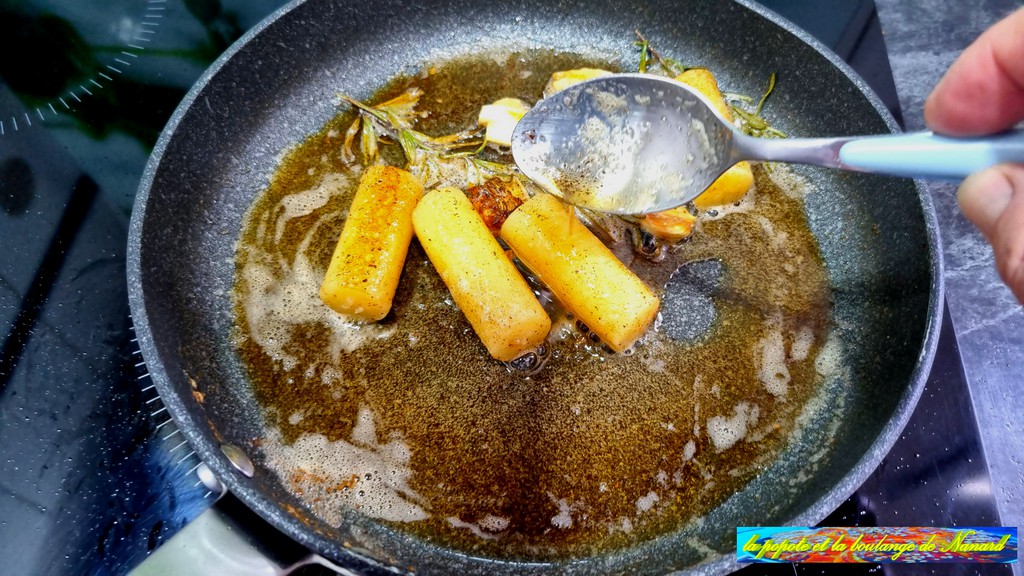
983,91
994,201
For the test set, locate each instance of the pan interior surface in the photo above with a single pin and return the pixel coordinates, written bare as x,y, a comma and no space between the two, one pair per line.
280,86
568,452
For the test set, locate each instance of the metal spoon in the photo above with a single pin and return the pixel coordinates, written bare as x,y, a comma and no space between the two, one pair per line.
637,143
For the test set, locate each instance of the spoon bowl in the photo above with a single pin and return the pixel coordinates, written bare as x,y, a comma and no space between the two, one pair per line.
639,143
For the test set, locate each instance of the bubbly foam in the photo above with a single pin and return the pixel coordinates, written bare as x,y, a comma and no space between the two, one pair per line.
364,473
725,432
305,203
281,295
803,339
688,451
777,238
489,528
790,183
493,523
562,520
770,359
830,358
624,525
646,502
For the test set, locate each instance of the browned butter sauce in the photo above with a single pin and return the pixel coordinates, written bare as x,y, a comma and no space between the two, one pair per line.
410,421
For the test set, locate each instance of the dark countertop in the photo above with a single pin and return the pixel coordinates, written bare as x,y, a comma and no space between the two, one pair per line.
923,38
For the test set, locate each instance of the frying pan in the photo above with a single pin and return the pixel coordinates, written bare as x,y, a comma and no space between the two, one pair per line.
277,85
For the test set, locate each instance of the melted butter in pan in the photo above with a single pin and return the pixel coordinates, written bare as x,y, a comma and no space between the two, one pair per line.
410,421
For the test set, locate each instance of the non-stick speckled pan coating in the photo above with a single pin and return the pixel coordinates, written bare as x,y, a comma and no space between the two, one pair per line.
278,85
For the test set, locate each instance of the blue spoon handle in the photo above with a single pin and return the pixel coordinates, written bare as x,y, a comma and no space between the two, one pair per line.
917,155
928,155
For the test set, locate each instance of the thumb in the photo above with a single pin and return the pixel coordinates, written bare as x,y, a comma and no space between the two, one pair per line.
993,200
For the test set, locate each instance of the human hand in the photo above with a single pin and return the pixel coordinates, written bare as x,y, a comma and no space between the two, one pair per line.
983,93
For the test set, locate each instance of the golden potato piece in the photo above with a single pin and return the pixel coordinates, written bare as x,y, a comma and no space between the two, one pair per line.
704,82
581,271
500,119
672,225
367,262
497,301
563,79
729,187
735,183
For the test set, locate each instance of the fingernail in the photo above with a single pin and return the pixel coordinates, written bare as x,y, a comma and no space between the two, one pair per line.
983,197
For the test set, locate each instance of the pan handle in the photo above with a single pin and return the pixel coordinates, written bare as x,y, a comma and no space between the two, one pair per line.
228,539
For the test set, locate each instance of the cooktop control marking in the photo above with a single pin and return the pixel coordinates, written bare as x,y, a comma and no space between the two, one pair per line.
146,25
165,429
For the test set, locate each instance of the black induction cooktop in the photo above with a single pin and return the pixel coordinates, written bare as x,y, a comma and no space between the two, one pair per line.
92,474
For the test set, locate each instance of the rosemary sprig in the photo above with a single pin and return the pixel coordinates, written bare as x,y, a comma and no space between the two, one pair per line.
767,93
436,159
645,53
394,121
751,121
669,66
399,112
